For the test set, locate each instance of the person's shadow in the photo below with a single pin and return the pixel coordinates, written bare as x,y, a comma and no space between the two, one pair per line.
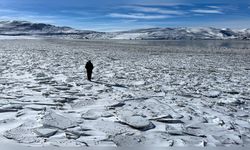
110,85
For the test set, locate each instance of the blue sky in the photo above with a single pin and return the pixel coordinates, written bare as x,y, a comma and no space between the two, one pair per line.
117,15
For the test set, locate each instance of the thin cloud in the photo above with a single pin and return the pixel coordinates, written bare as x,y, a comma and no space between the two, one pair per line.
155,3
156,10
207,11
9,14
214,7
138,16
42,19
76,12
7,11
12,14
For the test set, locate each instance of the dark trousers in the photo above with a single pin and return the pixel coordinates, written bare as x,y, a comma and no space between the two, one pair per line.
89,74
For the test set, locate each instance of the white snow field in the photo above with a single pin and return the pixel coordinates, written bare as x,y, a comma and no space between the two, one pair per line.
143,93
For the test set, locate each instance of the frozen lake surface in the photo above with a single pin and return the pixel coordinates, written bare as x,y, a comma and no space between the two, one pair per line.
162,93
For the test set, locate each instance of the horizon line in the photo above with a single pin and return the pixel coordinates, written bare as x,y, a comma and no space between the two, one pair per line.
124,30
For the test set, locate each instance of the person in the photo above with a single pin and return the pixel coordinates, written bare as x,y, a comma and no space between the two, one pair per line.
89,67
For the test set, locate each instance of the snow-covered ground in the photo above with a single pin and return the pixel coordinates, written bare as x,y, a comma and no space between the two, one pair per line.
141,94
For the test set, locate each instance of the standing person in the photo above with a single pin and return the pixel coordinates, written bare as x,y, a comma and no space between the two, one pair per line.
89,67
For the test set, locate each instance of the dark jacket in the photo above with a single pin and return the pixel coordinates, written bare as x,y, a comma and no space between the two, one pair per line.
89,66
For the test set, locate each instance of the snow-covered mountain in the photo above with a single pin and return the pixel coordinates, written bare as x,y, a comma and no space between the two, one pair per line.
183,33
28,28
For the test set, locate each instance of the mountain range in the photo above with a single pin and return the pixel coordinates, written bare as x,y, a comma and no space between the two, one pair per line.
24,28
